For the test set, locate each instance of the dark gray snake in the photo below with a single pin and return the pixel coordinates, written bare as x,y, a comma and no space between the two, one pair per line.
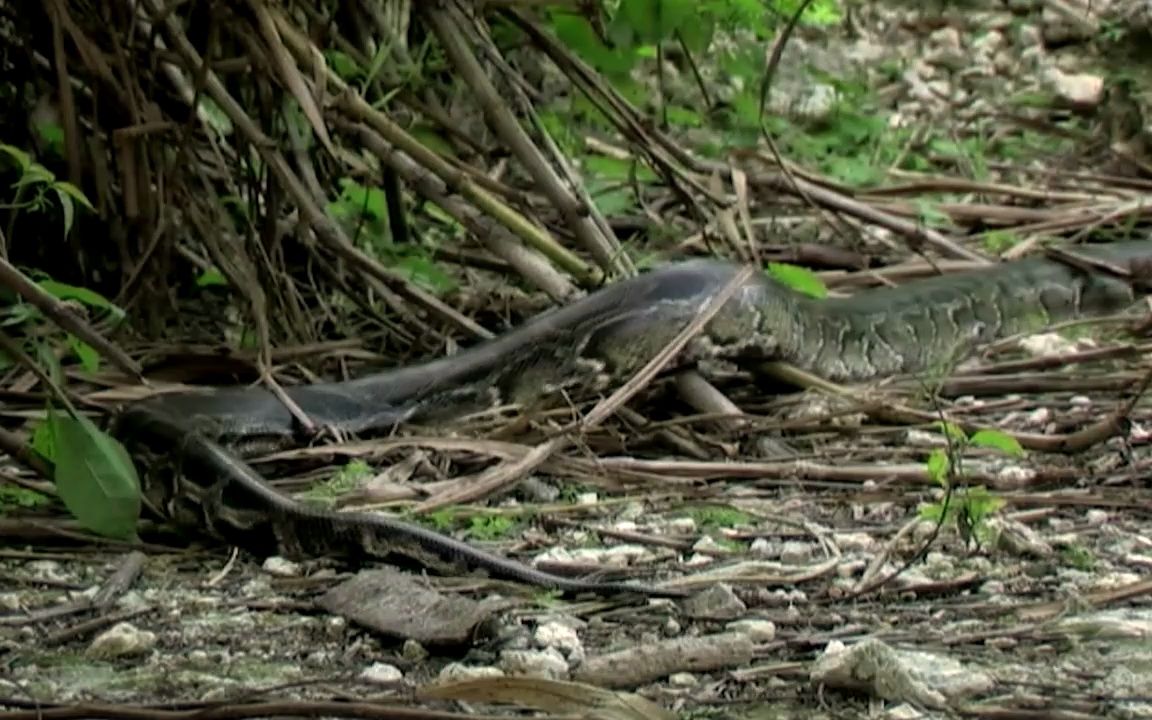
189,446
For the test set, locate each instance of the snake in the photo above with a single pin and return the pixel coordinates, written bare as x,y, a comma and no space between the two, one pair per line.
192,447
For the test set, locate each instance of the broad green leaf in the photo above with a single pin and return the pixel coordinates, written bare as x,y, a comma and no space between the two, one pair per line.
211,277
684,117
67,210
52,136
89,358
997,440
433,139
981,503
21,158
42,440
654,21
618,168
798,278
67,189
577,35
938,466
932,512
48,361
95,477
91,298
426,273
932,216
952,431
614,202
343,65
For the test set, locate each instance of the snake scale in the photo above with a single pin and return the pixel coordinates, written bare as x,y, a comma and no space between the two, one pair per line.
190,446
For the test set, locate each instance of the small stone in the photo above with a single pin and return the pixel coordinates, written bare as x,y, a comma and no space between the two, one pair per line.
561,637
414,651
988,44
903,711
992,588
718,602
122,640
1015,476
854,541
1096,516
683,679
1046,345
588,498
334,626
548,663
945,50
1082,91
762,547
682,525
795,552
382,673
457,671
1019,539
757,630
280,567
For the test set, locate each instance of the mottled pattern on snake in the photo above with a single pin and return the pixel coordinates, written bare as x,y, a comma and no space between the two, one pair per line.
603,337
874,333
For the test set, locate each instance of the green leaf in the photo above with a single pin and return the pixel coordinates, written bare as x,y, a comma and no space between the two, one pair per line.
654,21
952,431
67,210
577,35
938,466
798,278
933,216
35,174
95,477
621,169
21,158
52,136
64,291
211,277
66,189
89,358
932,512
343,65
42,440
426,273
981,503
997,440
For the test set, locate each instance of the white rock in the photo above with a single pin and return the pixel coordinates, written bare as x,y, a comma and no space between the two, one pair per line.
381,673
458,671
854,541
1046,345
560,636
122,640
548,663
683,679
796,553
1077,90
277,566
757,630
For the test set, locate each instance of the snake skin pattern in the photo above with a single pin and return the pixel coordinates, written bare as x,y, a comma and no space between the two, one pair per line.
190,445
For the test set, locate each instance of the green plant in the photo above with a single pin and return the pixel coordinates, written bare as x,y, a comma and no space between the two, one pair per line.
712,516
14,496
968,507
363,213
37,188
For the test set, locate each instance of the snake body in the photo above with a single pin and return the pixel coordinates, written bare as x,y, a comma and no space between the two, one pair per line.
190,445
